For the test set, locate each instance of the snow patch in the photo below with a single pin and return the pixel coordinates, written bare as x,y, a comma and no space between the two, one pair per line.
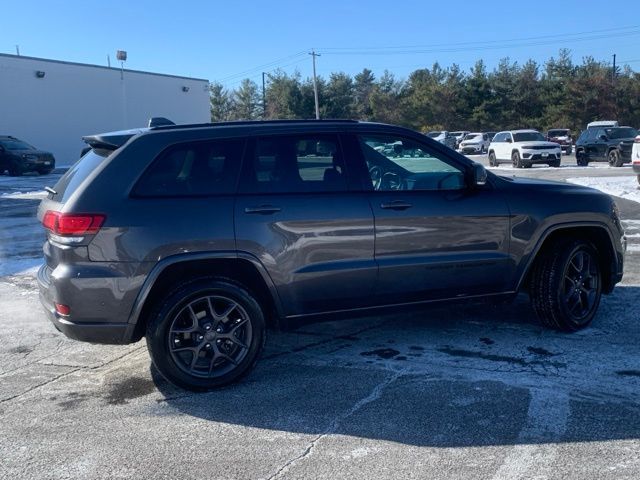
39,195
20,266
623,187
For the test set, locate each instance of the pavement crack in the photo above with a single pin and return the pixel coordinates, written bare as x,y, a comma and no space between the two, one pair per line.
372,397
35,387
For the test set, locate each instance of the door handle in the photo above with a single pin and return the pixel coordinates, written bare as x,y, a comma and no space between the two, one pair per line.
262,209
396,205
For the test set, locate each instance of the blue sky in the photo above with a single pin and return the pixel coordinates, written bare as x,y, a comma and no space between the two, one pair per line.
231,40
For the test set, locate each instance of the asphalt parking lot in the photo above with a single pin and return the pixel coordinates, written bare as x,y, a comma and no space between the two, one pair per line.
469,391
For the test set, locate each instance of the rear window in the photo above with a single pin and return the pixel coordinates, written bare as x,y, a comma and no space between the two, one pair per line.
558,133
193,169
71,180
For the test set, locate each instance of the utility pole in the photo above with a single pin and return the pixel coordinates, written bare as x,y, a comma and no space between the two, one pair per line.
613,72
315,82
264,99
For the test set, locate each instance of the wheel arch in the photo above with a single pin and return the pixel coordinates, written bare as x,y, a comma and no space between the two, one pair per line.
595,233
239,267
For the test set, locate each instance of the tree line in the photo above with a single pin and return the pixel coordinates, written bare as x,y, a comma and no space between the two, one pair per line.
558,94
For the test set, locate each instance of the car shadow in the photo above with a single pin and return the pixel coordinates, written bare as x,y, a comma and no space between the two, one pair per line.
452,376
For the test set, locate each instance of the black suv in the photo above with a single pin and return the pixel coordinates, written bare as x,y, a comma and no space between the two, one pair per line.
198,236
611,144
18,157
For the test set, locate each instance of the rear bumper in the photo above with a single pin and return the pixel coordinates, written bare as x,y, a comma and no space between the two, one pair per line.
77,328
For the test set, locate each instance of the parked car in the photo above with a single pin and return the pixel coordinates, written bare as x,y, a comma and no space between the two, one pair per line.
443,137
18,157
199,236
635,157
523,148
612,144
476,142
459,137
561,136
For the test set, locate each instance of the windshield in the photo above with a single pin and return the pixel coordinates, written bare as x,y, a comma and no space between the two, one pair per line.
15,144
558,133
528,137
473,136
433,134
625,132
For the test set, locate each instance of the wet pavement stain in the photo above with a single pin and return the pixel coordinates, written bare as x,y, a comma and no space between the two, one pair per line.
129,389
487,341
540,351
74,399
629,373
350,338
401,357
497,358
21,349
415,347
385,353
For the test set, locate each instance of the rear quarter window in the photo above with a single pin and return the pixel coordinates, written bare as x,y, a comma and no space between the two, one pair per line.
193,169
72,179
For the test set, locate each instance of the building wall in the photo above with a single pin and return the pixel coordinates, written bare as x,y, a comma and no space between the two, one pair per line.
72,100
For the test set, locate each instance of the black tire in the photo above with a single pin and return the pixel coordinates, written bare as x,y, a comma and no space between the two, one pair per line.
45,171
188,328
638,179
560,283
555,164
614,158
14,170
569,150
516,160
581,160
493,162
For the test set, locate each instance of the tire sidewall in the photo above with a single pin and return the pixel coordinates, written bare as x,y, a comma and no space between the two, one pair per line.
159,328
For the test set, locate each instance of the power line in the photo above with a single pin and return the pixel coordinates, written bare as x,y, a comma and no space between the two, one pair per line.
489,42
262,67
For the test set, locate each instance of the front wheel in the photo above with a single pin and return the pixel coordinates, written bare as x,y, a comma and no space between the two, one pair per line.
516,160
614,158
569,150
493,162
14,170
581,159
555,164
566,286
207,334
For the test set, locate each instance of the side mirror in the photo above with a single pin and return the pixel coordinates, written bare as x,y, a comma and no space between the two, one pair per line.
479,175
508,140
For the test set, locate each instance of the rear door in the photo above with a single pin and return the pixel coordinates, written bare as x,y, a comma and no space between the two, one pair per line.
435,236
299,215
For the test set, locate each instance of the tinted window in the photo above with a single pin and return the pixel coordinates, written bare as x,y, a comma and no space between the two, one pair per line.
626,132
309,163
201,168
396,163
15,144
557,133
528,137
72,179
500,137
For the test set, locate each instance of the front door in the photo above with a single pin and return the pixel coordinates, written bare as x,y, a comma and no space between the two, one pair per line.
436,237
297,214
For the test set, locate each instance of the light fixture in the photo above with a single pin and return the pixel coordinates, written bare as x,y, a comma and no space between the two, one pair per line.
185,89
40,74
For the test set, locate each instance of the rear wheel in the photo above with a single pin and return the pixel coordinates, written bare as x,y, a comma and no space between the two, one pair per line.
566,285
614,158
493,162
516,160
569,150
555,164
207,334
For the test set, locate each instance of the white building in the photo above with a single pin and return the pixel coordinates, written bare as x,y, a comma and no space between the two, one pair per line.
52,104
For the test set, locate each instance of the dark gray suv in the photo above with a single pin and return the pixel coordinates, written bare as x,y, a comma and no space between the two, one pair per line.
199,236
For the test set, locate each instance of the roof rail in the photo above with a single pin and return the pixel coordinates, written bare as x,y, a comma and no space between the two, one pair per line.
247,122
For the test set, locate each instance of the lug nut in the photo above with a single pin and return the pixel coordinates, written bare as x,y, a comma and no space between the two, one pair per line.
200,337
207,327
219,330
207,346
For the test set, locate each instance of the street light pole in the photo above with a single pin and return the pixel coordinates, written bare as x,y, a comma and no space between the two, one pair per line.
315,83
264,99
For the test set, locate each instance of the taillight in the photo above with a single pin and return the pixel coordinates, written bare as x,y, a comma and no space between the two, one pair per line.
72,223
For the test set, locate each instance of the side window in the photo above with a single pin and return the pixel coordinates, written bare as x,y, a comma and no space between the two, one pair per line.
197,168
499,138
288,164
396,163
